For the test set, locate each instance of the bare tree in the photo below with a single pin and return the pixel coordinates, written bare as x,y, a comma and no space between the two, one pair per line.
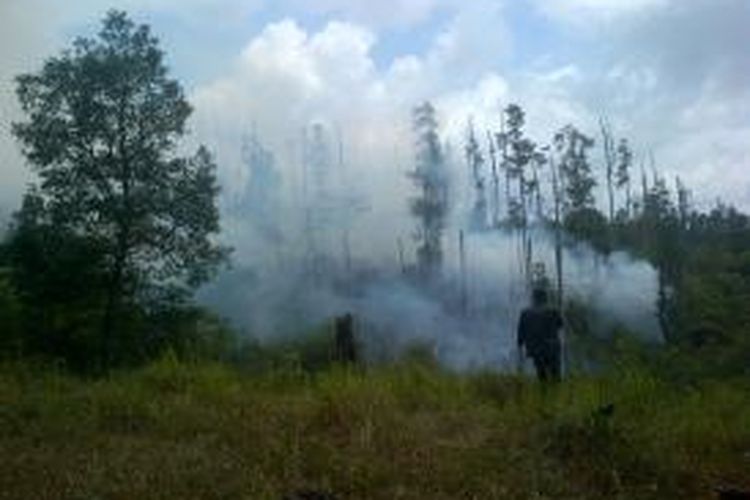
475,162
624,162
495,180
608,144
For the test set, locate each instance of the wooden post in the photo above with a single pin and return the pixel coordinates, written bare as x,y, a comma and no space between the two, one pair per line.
462,265
609,161
347,251
558,235
401,262
495,182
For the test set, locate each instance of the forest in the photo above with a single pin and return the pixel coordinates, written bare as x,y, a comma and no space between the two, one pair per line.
166,337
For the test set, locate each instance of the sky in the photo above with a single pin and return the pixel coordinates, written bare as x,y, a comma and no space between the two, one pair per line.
673,76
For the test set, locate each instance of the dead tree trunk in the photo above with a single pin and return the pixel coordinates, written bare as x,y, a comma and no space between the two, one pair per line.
495,182
557,193
401,262
462,265
609,162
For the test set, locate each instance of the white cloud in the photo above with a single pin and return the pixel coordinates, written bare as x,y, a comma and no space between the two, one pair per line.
31,30
286,77
477,38
674,77
381,13
671,75
586,12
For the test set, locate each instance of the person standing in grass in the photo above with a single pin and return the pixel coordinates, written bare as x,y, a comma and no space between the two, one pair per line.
539,336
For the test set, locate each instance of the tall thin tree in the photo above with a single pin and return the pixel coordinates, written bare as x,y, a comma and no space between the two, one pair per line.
475,162
624,163
430,206
608,144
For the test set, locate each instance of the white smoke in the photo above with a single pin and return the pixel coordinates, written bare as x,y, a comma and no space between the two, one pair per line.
280,293
335,234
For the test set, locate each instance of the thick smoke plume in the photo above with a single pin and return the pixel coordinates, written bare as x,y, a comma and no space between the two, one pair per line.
319,230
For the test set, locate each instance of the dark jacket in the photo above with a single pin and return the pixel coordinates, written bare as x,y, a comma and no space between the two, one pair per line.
538,330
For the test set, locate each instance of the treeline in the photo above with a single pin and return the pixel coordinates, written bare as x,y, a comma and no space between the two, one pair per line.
702,257
101,260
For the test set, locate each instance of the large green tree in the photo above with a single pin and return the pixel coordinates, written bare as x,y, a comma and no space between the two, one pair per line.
102,130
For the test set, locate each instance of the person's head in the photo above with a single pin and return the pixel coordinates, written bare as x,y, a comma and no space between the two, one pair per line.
539,297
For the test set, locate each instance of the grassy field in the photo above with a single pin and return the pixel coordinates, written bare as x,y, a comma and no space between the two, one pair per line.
175,430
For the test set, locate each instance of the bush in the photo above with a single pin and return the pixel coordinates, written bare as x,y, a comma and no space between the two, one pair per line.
11,338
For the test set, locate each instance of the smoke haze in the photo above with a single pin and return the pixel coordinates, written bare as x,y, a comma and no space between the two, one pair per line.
318,232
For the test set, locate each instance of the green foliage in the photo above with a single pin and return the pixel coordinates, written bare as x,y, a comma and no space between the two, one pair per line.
588,224
303,354
11,337
419,354
104,121
702,264
577,177
475,161
520,155
189,334
430,205
55,274
119,224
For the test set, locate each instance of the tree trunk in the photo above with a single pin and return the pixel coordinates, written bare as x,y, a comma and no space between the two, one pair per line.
495,183
628,200
111,309
609,160
462,265
558,235
115,288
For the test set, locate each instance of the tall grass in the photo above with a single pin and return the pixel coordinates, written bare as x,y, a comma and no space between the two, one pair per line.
206,430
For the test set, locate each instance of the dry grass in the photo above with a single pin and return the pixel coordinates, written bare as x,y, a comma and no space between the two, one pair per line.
206,431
